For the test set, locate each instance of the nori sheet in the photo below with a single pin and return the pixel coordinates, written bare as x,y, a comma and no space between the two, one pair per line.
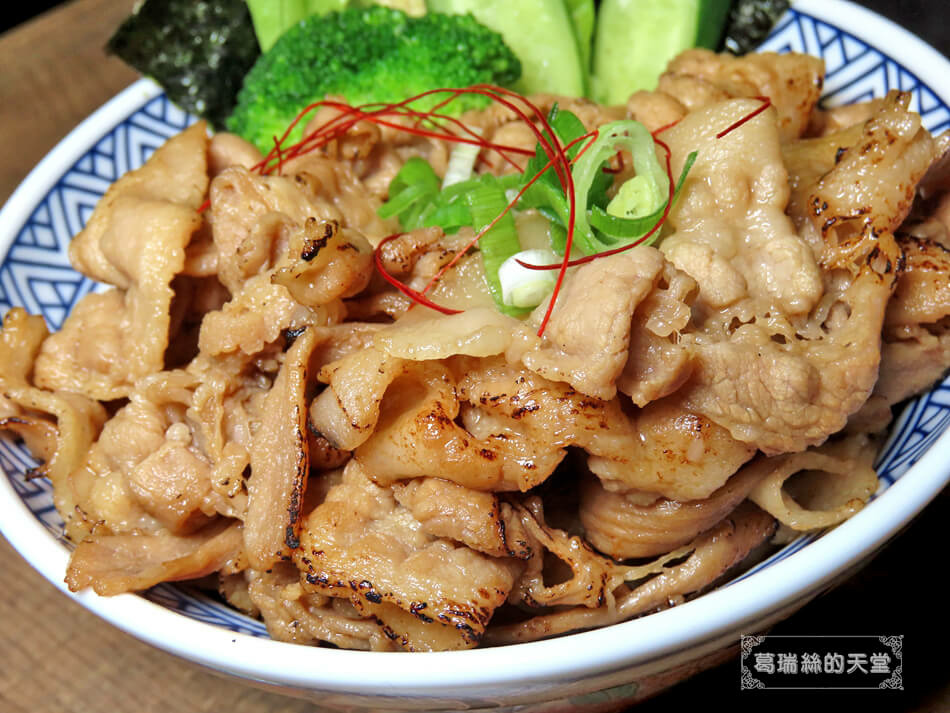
197,50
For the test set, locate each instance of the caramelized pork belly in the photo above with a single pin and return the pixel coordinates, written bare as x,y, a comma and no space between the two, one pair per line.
297,616
425,592
697,78
280,462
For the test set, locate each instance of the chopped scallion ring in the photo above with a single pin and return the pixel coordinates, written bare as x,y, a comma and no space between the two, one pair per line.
523,287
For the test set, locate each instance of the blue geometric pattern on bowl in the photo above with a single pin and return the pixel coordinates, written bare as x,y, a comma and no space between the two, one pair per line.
855,71
36,273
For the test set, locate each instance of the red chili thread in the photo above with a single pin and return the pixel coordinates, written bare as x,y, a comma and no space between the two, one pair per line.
383,115
618,168
414,295
556,153
665,127
478,236
557,159
638,241
766,103
562,167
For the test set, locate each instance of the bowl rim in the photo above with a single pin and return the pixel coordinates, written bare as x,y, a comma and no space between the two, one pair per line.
561,660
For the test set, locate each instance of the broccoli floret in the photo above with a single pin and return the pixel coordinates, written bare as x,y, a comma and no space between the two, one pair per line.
372,54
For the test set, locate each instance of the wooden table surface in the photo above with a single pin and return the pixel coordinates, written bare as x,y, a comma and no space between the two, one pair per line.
58,658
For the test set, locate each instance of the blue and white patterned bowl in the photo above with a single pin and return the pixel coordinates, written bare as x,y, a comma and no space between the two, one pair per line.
597,670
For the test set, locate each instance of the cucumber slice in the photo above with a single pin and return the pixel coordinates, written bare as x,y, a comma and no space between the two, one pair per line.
414,8
539,32
635,39
583,14
272,17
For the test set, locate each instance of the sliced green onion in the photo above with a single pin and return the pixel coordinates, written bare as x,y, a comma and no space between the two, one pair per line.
637,197
487,202
568,129
415,170
623,229
450,216
628,135
525,288
461,164
402,201
412,188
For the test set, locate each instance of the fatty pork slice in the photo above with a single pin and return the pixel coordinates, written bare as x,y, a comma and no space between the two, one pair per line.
664,448
617,326
851,186
710,555
297,616
785,351
658,360
253,216
301,284
476,519
131,562
916,338
78,419
730,231
417,435
587,339
622,527
697,78
145,473
135,241
279,462
426,593
346,412
175,175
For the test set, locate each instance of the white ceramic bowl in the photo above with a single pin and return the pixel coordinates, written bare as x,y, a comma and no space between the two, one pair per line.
596,670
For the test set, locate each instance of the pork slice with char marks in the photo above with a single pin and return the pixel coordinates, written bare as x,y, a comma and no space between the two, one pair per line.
280,462
697,78
427,593
302,284
783,364
417,435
